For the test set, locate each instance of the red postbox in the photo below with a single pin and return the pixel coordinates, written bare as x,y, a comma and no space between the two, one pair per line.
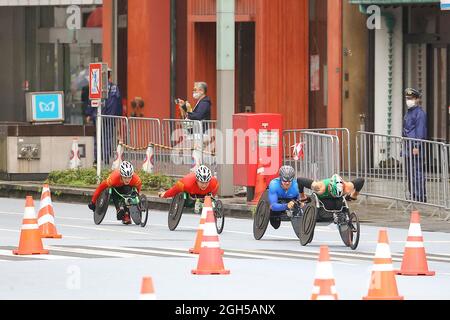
257,139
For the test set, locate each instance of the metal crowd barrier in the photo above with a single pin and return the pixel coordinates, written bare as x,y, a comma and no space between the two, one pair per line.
344,151
403,169
114,131
316,156
143,132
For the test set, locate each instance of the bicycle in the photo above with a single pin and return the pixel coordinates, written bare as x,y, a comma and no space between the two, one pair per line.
185,200
132,203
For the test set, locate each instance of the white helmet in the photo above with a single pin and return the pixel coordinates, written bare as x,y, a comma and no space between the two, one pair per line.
203,174
126,169
337,186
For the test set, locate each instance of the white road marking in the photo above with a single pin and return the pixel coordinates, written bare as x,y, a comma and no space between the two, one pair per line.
9,253
64,236
94,252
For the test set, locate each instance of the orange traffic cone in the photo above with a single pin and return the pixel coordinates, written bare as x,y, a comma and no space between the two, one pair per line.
261,184
30,237
324,288
147,291
46,216
210,260
382,282
198,240
414,258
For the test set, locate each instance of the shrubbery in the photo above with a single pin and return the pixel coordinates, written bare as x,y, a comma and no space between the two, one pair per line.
88,178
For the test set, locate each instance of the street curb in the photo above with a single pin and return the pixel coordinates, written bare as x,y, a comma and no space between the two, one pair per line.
83,196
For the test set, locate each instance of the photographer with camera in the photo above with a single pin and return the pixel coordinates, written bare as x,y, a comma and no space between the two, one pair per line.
202,109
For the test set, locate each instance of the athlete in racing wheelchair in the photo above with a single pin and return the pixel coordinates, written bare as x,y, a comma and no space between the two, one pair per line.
279,203
123,187
328,203
190,192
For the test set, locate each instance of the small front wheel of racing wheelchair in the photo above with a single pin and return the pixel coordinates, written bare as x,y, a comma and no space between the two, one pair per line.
219,215
175,211
101,206
139,212
350,231
262,216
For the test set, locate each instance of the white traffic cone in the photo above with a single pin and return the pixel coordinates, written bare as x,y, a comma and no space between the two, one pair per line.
149,160
75,161
119,157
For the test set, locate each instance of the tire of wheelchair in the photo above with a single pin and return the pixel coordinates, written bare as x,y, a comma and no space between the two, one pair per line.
308,223
101,207
347,236
143,206
219,215
262,216
175,211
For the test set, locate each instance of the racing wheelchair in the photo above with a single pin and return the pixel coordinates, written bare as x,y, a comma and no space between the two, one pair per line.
264,215
338,213
185,200
304,223
133,203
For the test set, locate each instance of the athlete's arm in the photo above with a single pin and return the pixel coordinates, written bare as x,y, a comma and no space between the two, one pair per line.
103,186
176,189
273,199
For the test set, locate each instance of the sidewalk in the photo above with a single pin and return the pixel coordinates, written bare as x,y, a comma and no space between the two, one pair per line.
371,211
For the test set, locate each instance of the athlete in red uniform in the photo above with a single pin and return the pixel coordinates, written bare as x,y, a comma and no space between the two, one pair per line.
123,180
200,183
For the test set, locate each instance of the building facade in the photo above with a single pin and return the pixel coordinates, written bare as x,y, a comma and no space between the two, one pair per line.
165,46
40,52
410,48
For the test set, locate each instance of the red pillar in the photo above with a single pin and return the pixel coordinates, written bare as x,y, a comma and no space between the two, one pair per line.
334,64
149,55
107,17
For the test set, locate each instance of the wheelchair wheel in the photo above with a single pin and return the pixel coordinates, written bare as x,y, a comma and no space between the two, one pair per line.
175,211
101,206
308,223
219,215
143,207
350,232
135,214
262,216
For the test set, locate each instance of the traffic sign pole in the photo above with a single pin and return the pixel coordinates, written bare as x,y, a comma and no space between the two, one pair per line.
99,142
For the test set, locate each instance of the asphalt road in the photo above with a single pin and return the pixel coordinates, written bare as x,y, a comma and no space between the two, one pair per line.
109,261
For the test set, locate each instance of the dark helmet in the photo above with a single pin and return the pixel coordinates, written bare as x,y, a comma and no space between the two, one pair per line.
413,93
287,173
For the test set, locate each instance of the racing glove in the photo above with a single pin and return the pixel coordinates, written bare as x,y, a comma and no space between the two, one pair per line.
91,206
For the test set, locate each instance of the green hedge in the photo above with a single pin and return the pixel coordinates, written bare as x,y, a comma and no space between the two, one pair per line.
88,178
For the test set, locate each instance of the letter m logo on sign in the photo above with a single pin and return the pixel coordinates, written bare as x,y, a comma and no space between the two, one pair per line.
95,81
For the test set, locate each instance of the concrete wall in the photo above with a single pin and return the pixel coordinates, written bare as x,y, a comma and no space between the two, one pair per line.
12,63
381,76
55,155
354,95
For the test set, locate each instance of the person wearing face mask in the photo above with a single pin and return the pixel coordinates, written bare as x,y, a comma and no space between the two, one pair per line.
202,109
415,127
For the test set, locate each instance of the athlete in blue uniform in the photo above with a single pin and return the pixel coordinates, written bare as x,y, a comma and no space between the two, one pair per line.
283,191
